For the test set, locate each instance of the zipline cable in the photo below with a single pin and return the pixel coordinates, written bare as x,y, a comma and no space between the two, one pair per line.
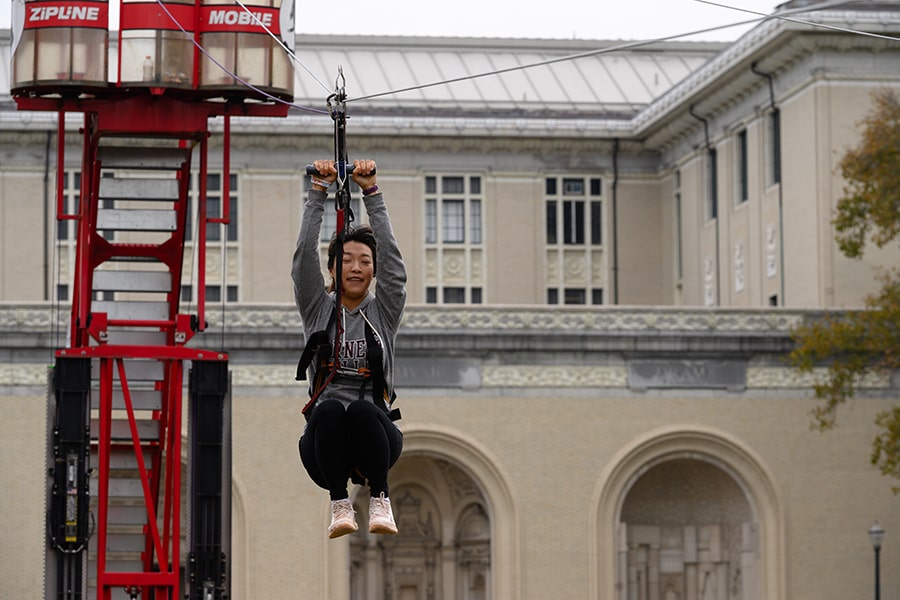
281,43
782,15
804,22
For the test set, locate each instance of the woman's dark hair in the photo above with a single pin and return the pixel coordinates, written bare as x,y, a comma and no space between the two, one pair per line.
362,234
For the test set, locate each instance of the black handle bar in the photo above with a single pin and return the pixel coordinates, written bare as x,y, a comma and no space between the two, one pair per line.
311,170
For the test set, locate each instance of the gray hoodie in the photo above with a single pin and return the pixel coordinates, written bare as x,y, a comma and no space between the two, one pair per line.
382,309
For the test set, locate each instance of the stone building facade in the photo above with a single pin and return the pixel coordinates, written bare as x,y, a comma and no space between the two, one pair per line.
606,257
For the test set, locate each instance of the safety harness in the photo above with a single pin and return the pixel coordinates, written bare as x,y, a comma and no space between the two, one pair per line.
319,348
324,346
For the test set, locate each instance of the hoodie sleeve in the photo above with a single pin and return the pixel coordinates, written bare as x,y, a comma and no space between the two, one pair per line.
306,269
390,281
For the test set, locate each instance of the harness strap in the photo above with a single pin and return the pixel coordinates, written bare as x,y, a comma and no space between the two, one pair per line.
318,344
374,356
318,347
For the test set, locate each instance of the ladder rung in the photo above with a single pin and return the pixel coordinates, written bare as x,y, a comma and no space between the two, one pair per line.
140,399
130,157
134,337
132,311
133,542
124,249
127,562
148,430
135,370
125,514
123,457
132,281
120,488
135,220
138,189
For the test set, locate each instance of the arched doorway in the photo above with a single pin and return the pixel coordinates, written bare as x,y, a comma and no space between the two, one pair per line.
685,513
687,532
443,548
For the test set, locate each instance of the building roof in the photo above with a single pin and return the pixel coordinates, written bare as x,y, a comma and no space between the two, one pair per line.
602,82
570,88
608,80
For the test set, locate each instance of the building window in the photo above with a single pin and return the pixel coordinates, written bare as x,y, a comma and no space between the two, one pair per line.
773,155
679,242
66,229
454,235
329,223
66,233
573,209
454,221
580,218
214,207
453,295
596,223
213,293
573,221
446,210
712,185
743,193
551,221
106,234
222,237
575,296
475,221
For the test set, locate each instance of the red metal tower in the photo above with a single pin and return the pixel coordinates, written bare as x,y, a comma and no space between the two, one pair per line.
116,406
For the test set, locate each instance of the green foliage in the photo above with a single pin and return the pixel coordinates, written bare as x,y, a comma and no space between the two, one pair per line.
852,345
886,447
871,202
856,344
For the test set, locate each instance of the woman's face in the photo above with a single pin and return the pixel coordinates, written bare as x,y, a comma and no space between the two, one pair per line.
357,271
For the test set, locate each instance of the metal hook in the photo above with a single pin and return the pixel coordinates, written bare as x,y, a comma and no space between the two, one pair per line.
335,102
343,81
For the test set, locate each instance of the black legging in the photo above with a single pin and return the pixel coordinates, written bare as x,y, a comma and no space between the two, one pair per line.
339,440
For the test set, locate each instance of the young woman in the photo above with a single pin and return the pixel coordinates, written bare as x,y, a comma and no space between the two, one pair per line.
350,431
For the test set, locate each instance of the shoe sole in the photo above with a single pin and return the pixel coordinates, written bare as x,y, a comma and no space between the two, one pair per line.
342,529
382,528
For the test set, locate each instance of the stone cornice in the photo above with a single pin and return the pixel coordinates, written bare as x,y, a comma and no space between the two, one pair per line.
492,348
606,331
30,317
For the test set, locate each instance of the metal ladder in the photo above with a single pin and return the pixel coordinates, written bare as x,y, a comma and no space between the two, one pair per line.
141,202
127,536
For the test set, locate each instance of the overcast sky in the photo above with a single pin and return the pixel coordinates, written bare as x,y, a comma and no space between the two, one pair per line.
556,19
563,19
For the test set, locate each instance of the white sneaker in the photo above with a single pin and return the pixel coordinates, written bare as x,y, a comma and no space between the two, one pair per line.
343,518
381,518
